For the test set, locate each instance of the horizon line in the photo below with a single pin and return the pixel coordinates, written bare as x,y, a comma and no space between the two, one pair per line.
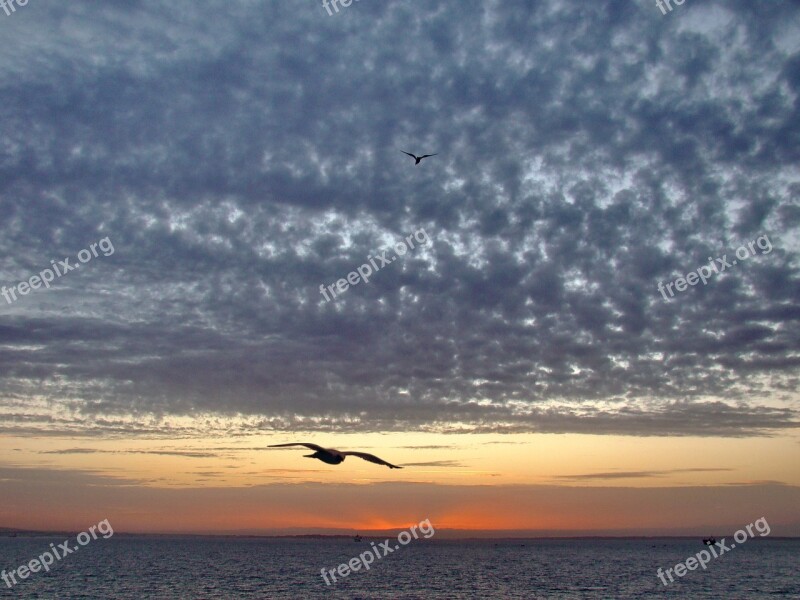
466,534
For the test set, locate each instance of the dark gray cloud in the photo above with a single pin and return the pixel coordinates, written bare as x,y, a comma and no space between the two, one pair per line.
636,474
242,155
436,463
15,475
184,453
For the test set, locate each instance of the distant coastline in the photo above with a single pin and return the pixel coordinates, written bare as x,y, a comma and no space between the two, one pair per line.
447,535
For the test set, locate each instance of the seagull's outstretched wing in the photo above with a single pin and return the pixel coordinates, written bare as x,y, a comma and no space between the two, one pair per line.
409,153
426,155
310,446
371,457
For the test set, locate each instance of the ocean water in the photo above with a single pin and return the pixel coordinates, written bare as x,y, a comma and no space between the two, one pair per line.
144,567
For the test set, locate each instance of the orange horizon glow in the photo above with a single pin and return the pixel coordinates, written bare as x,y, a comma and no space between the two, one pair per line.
569,483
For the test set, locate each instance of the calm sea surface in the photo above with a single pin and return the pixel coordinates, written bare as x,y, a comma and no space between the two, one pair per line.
132,567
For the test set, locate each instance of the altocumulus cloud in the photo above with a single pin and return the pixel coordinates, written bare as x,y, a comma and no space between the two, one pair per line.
244,153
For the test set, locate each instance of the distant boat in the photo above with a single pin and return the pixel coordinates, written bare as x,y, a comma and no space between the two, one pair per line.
357,538
710,541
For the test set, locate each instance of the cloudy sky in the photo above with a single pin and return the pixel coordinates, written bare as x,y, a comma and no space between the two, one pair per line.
235,157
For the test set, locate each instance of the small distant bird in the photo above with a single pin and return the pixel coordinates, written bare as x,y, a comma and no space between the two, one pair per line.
417,158
334,457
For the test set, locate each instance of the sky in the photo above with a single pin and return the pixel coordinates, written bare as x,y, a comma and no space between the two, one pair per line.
581,316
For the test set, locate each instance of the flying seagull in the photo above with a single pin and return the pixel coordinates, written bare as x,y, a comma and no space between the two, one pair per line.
334,457
417,158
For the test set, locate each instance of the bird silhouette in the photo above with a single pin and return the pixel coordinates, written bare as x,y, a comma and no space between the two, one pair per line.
417,158
335,457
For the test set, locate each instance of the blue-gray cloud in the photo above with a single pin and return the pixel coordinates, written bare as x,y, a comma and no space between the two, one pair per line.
243,154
